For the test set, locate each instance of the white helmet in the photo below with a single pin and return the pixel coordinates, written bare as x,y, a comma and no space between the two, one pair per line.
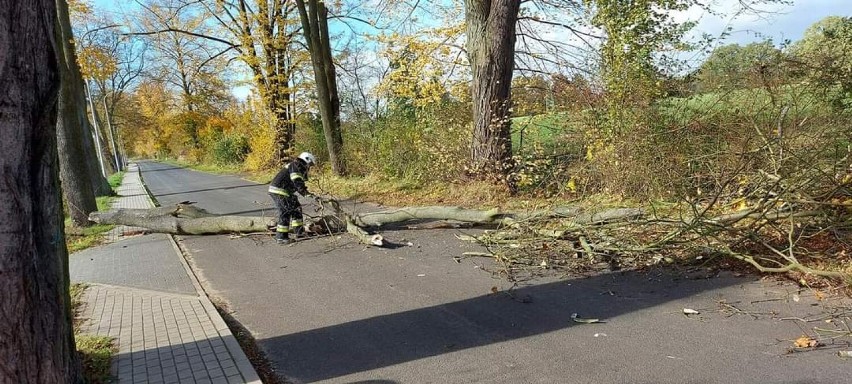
308,158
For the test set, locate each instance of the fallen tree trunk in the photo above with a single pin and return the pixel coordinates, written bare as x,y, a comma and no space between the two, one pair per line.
186,219
211,225
119,216
476,216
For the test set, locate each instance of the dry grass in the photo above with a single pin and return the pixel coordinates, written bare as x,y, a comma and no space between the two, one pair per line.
95,352
468,194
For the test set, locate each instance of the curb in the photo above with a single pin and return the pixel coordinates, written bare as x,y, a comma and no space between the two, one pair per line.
240,359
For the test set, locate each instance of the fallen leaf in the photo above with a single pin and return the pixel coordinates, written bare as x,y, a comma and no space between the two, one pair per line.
690,311
805,342
494,289
819,296
584,321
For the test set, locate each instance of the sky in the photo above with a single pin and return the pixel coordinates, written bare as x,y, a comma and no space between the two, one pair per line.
788,22
782,22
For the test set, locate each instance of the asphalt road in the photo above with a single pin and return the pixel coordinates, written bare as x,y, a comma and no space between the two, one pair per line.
330,310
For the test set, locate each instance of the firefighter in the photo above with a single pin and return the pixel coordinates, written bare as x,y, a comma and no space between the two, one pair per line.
283,189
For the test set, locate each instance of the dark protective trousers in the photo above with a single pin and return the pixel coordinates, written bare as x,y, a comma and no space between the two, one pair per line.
289,215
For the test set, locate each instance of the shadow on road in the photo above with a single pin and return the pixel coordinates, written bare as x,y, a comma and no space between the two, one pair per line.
376,342
159,167
204,190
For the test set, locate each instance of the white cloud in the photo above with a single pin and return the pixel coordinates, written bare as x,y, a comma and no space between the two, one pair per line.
775,21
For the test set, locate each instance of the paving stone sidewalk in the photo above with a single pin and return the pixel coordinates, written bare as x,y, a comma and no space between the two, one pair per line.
131,194
143,294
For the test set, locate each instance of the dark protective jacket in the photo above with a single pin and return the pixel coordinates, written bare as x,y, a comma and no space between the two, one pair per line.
291,179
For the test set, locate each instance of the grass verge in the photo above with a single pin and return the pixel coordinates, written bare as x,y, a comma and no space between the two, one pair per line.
115,180
80,238
95,352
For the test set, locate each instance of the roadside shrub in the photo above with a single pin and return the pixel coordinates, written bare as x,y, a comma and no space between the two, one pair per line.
699,146
230,149
310,137
413,143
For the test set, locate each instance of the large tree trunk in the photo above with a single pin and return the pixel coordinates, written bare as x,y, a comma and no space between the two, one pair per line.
100,146
73,81
100,185
36,337
491,52
112,137
314,18
73,167
285,126
189,220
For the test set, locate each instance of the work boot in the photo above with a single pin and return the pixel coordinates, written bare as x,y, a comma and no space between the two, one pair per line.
281,238
297,233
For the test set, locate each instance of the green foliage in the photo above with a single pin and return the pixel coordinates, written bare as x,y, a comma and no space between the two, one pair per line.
693,146
424,143
310,137
636,34
825,57
736,67
230,149
104,202
78,239
115,179
530,95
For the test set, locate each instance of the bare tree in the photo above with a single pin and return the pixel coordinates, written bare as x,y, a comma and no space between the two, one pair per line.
37,339
186,61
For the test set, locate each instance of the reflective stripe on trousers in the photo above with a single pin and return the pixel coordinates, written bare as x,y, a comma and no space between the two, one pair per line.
278,191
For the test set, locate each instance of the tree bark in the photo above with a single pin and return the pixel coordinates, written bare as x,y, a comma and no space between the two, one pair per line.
112,137
314,16
189,220
100,147
285,127
77,99
36,337
491,52
73,167
264,38
100,185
